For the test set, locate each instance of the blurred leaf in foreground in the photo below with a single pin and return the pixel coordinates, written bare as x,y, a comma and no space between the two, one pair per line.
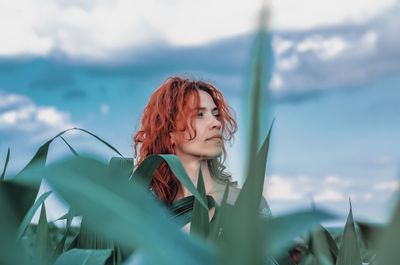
5,165
84,257
124,211
280,231
200,218
349,251
388,252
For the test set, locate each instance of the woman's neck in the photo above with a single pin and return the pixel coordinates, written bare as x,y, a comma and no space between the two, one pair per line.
192,165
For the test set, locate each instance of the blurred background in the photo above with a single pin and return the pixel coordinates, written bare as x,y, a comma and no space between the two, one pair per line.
333,89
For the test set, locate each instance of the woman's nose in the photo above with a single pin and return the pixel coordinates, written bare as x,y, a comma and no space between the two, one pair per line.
215,122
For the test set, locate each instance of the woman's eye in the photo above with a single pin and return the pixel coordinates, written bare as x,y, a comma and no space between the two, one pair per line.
200,114
216,115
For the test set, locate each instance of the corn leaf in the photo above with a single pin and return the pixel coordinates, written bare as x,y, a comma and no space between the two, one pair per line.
42,237
182,210
123,211
220,212
69,146
10,253
124,165
388,252
29,215
61,244
349,251
84,257
242,238
371,234
200,224
333,248
89,239
279,232
98,138
145,171
5,165
320,248
18,196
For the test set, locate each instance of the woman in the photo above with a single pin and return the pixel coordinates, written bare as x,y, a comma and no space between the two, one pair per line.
192,120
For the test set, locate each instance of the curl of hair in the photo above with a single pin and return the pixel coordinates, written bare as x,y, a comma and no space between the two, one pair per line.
166,112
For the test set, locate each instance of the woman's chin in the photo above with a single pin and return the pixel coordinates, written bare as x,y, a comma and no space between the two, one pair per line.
212,155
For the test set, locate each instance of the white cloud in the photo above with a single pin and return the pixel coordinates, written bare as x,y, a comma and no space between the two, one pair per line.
281,45
367,196
282,189
339,55
332,180
287,63
387,186
19,113
102,29
8,100
329,195
324,48
369,39
287,14
335,180
303,179
276,82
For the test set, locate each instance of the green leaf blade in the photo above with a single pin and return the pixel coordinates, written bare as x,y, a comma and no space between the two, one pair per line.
29,215
84,257
5,165
349,251
200,219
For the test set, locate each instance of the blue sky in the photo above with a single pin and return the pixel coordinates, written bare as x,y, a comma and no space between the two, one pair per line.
334,92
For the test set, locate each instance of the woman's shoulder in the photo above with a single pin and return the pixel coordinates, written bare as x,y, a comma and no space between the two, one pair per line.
234,190
219,189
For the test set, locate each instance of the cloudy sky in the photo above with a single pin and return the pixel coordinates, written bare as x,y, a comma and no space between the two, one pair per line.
335,76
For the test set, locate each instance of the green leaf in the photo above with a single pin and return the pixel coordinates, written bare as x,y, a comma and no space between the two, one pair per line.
42,237
200,224
349,251
61,244
18,197
220,212
69,146
90,239
371,234
320,248
333,248
124,165
182,209
98,138
29,215
279,232
36,164
5,165
34,168
33,172
123,211
242,239
10,253
388,252
84,257
145,171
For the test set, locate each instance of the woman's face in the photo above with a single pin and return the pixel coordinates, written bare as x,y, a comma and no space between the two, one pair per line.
208,140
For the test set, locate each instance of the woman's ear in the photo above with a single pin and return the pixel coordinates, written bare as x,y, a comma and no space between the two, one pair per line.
172,138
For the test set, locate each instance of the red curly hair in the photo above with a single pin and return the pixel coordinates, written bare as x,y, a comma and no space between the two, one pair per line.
166,112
